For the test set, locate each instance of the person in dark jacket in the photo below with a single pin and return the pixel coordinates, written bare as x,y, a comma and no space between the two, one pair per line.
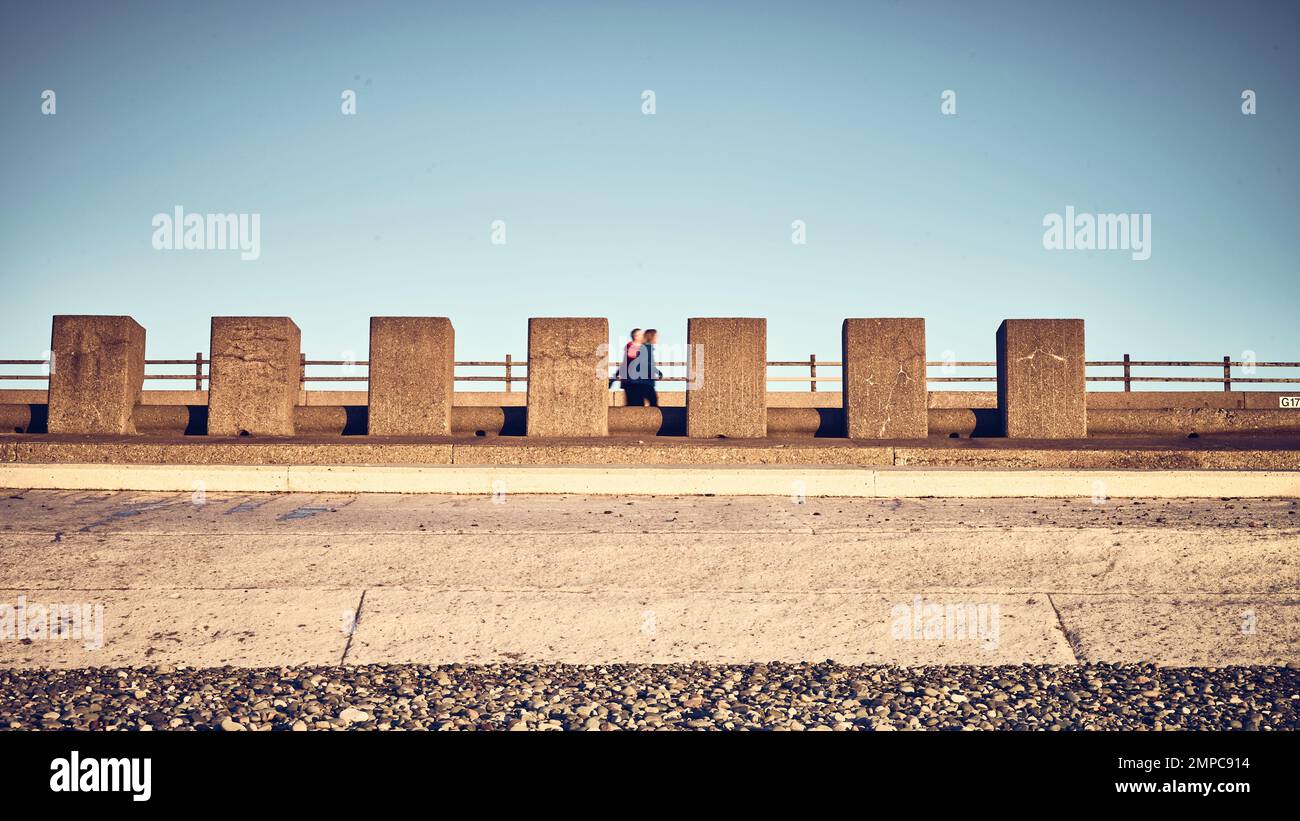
648,372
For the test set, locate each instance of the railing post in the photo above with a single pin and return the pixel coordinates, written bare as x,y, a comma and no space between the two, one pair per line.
812,372
198,370
1128,386
1227,374
508,386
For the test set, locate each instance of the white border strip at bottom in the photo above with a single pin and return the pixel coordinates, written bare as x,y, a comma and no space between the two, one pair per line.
783,480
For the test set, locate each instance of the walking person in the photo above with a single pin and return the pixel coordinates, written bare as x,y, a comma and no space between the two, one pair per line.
649,372
627,373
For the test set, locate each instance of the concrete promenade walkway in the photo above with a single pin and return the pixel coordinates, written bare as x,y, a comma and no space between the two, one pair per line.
249,579
685,480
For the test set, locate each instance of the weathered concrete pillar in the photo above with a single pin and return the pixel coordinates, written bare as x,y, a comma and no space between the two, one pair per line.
254,377
884,388
412,362
1041,387
96,375
727,394
567,383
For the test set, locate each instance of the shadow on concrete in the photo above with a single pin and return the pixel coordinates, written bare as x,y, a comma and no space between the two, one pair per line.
830,423
358,420
516,421
40,421
672,422
987,422
197,425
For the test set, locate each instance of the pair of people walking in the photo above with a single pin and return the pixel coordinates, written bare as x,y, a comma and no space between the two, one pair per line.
638,372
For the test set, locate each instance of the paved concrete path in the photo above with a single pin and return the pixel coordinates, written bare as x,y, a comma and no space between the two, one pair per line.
272,579
697,480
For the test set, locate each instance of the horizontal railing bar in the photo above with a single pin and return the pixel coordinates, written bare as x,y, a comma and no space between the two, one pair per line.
511,376
803,379
665,364
1262,380
522,363
1219,364
1218,380
772,363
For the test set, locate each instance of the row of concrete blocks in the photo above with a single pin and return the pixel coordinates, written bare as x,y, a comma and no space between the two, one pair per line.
98,370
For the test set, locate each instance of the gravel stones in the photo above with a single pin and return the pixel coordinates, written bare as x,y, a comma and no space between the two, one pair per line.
777,696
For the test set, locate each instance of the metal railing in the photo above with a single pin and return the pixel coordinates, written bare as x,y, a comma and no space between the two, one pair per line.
1227,380
511,367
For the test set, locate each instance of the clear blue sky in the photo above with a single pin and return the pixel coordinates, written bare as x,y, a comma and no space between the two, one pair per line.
766,113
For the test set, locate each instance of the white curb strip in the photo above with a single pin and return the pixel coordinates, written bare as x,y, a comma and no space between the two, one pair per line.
658,481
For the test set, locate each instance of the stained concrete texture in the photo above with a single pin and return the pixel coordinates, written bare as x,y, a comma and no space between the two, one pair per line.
97,374
568,393
1183,629
254,376
412,365
1041,386
884,388
727,397
270,579
1234,452
653,628
203,628
1188,421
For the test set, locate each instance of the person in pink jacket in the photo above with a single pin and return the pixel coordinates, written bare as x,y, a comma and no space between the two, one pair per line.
631,385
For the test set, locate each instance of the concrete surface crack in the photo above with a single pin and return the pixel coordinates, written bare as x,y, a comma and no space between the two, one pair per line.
352,628
1069,640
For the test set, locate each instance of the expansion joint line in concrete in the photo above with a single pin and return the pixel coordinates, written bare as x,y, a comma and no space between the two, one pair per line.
353,626
1065,633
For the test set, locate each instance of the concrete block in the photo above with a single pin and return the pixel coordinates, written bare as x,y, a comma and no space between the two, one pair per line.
1041,387
727,396
254,376
884,388
567,388
97,374
412,359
